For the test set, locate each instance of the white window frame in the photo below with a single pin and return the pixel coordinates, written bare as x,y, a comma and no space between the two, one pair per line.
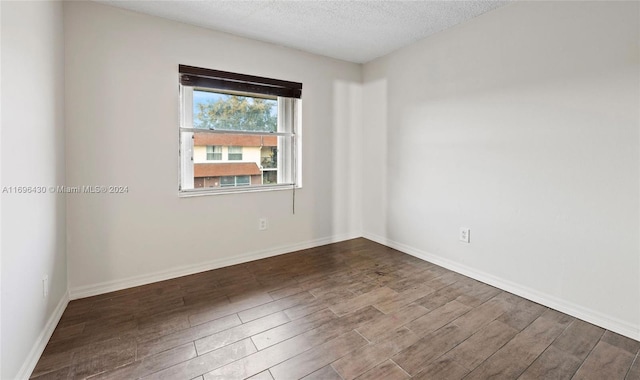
289,161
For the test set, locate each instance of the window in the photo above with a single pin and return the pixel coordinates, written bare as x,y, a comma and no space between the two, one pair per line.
214,153
233,181
269,177
268,157
249,126
235,153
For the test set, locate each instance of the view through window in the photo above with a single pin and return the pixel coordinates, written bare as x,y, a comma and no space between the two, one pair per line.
236,140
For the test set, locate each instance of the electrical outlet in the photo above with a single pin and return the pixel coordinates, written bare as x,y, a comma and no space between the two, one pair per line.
262,224
464,235
45,286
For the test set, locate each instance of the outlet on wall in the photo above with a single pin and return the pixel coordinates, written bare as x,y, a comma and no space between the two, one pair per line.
262,223
45,286
464,235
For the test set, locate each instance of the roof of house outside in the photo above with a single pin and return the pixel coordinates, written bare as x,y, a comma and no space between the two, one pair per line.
204,138
225,169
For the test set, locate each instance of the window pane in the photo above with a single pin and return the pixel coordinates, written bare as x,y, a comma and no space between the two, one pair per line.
226,112
269,177
235,153
214,153
269,157
243,180
264,160
212,159
227,181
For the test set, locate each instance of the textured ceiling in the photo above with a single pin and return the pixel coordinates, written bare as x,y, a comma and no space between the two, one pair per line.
356,31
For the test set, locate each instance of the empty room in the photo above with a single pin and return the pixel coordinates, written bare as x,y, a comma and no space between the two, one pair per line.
320,190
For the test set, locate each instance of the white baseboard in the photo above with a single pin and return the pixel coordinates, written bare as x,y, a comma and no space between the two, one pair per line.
36,351
111,286
580,312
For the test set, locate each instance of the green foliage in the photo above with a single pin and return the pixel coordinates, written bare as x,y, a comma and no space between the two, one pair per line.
237,113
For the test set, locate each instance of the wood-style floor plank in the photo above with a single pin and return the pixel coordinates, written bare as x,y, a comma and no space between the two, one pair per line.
350,310
373,330
187,335
403,298
243,331
280,352
634,371
439,317
316,358
293,328
605,362
264,375
552,364
367,357
481,345
515,356
387,370
206,362
275,306
240,304
363,300
150,364
414,358
325,373
442,369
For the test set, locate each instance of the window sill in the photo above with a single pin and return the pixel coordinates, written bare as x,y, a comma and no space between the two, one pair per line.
234,190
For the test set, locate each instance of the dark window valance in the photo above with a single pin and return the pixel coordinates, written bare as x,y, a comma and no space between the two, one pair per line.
224,80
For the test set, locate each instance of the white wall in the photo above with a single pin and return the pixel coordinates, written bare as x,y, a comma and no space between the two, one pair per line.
523,125
33,226
122,95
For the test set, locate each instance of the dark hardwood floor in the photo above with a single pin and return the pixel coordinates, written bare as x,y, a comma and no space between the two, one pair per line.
352,310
